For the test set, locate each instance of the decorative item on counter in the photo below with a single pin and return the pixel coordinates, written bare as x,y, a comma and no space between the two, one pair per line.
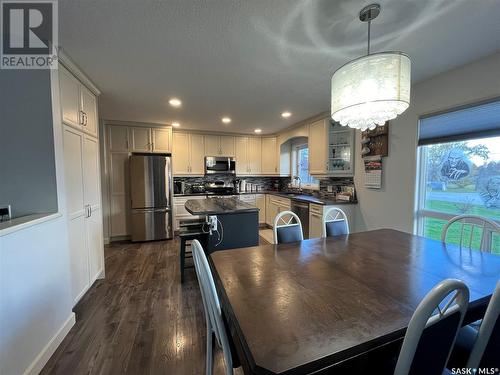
375,142
373,172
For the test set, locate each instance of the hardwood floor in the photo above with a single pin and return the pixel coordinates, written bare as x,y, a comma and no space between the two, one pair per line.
139,320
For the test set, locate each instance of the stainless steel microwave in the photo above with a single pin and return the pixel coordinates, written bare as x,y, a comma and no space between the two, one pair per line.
220,165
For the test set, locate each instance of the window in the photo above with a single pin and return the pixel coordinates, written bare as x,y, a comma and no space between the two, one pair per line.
302,168
456,177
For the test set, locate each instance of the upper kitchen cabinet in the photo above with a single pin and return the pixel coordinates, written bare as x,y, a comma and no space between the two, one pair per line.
78,103
219,145
151,139
118,138
248,156
269,160
187,154
161,138
331,149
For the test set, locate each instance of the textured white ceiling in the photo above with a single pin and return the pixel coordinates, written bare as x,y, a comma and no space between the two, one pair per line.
252,59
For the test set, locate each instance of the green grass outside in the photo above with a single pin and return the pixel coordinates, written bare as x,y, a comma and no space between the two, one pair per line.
433,228
453,208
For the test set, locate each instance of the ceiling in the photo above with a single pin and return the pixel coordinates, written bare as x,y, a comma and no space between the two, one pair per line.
253,59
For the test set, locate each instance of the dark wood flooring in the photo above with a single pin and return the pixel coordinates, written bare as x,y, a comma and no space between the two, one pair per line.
139,319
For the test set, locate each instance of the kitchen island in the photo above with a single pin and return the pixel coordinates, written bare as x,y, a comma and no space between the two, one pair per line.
231,223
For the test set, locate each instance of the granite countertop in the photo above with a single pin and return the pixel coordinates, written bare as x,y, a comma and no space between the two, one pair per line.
218,206
298,197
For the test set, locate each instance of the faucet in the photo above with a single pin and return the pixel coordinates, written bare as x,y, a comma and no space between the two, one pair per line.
297,177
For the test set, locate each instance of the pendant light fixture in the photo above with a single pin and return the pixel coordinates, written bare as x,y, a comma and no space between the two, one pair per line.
372,89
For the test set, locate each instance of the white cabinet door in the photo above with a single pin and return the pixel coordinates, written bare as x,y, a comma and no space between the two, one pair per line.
141,139
180,154
92,191
212,145
161,139
196,154
269,156
318,139
227,145
260,202
89,109
73,172
119,176
254,156
70,98
119,216
118,138
241,156
93,225
79,261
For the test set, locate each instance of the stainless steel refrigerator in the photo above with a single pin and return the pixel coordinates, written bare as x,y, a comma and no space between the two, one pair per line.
151,196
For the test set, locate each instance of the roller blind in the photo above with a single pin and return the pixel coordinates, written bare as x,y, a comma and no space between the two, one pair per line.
478,121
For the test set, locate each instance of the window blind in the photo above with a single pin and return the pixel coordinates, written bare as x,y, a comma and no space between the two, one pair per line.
478,121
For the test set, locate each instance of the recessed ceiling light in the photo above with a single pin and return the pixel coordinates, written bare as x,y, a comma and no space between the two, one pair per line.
226,120
176,124
286,114
174,102
258,130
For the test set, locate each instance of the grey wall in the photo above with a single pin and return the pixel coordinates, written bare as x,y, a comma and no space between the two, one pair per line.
27,167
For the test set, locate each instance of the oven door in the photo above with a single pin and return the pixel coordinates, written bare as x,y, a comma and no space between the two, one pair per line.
217,165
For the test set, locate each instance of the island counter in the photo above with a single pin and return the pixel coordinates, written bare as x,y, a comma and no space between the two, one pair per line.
237,222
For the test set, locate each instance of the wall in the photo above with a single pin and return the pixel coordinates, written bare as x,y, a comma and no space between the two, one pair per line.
27,166
35,290
393,205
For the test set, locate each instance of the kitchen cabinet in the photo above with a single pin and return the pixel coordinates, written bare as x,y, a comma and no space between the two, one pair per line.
331,149
269,158
275,205
146,139
161,138
248,156
219,145
78,103
260,202
118,138
187,154
180,211
81,167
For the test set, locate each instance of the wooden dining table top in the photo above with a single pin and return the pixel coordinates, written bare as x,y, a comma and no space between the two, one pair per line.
300,307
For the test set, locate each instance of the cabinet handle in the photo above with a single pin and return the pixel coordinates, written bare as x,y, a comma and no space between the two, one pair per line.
90,210
152,145
81,119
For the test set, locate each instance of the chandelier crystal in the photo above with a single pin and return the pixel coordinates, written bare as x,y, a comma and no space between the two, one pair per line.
372,89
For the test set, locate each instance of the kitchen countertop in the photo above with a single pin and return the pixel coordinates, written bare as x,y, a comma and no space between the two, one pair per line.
218,206
297,197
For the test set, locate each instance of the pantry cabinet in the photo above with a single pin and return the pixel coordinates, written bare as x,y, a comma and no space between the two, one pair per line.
78,103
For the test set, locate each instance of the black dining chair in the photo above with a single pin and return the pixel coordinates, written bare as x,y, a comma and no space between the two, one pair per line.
287,228
433,329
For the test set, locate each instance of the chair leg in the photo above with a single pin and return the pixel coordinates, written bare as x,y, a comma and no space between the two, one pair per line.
210,351
182,257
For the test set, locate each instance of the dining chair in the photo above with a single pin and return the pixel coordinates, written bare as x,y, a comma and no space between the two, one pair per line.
287,228
480,347
213,313
486,227
335,222
433,329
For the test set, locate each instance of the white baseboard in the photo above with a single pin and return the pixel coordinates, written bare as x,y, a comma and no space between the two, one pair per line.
42,358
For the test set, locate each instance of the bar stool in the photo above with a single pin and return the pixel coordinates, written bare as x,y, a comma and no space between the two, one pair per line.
189,230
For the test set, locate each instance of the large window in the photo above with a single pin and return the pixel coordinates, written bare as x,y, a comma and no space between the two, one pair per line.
302,168
458,177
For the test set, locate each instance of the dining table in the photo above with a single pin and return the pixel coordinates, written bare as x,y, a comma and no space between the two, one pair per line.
340,302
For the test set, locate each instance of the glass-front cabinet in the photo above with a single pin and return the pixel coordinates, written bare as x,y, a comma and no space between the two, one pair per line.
331,149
